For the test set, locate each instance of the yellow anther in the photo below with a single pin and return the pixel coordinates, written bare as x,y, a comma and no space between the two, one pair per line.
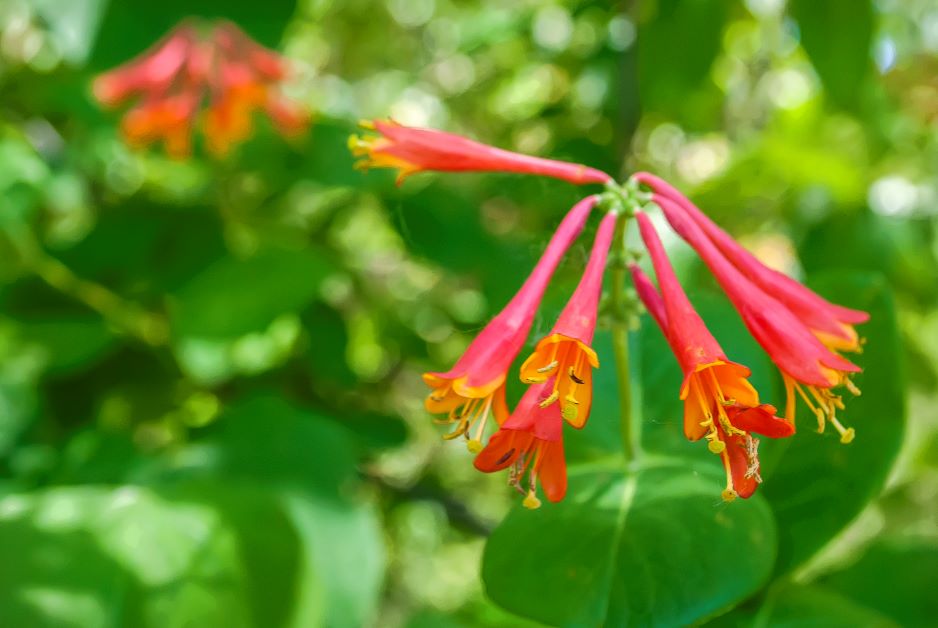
459,431
474,445
728,495
716,446
534,380
367,124
531,501
569,412
547,369
554,396
852,387
846,434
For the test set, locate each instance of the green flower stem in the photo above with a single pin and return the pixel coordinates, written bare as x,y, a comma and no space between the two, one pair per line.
620,339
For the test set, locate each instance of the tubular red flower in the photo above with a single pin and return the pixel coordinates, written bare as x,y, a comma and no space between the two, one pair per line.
530,441
808,367
153,71
475,387
719,402
831,323
235,75
565,354
412,150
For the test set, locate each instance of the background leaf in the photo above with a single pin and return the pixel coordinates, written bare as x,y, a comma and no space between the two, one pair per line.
817,486
837,35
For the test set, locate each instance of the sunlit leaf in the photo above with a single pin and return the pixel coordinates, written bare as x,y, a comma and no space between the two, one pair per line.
652,546
147,558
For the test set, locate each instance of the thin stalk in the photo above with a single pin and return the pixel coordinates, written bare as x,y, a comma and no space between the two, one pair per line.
124,315
620,340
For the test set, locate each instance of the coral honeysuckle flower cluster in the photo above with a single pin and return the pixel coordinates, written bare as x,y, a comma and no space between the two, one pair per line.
214,66
802,333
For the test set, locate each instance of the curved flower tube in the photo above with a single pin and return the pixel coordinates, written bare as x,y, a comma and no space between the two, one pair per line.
565,354
530,441
475,387
832,324
411,150
719,402
808,367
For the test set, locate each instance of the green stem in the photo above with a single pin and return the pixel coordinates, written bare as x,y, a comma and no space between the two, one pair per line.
126,316
620,339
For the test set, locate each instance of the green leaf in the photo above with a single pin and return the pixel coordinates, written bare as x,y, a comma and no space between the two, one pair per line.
677,44
836,35
310,461
817,485
651,546
129,27
238,296
74,23
70,342
911,565
146,558
804,606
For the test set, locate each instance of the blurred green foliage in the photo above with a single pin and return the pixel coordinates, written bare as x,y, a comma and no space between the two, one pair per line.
210,403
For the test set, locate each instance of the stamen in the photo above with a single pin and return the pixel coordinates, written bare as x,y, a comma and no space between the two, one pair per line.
569,411
547,369
575,378
729,493
714,444
505,457
851,387
531,502
459,430
554,396
789,399
846,434
475,444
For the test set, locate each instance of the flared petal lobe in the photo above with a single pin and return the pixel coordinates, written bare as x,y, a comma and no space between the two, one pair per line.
530,442
411,150
470,390
565,354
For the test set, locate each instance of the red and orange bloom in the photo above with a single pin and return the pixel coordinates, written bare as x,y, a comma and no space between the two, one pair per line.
235,75
412,150
474,388
565,354
808,367
719,402
831,323
530,442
